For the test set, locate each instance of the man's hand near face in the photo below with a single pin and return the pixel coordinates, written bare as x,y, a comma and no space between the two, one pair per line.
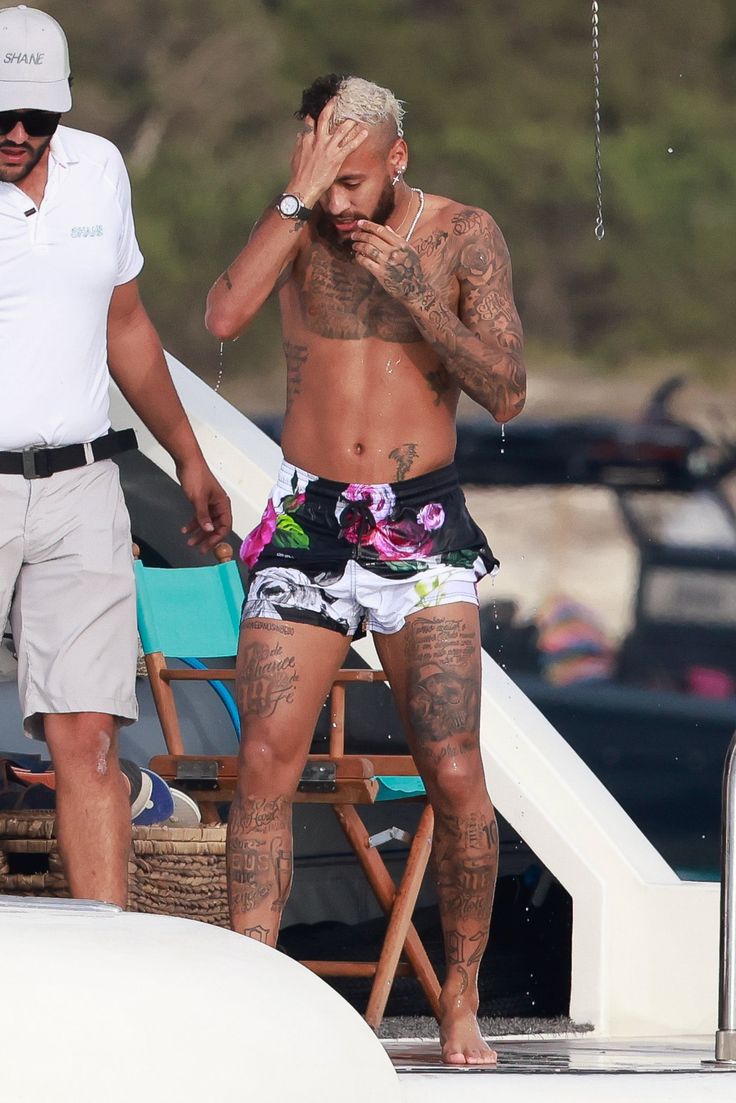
319,153
390,259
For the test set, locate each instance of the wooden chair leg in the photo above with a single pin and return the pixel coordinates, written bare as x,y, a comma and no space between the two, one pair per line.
400,918
163,698
384,888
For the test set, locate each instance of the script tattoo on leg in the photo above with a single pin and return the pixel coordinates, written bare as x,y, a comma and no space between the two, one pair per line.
267,676
259,859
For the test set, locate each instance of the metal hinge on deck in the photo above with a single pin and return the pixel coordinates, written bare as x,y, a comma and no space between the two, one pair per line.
197,773
318,777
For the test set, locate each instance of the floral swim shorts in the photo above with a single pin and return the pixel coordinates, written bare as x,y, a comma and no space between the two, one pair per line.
355,556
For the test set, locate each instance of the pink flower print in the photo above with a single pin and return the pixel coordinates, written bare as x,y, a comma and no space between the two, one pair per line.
261,535
431,516
355,526
380,498
399,540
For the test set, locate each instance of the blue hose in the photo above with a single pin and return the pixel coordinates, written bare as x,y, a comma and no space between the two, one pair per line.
222,692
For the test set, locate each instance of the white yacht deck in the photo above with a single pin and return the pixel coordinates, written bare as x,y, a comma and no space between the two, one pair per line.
557,1068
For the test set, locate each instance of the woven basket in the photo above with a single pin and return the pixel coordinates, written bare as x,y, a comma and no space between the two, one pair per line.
172,870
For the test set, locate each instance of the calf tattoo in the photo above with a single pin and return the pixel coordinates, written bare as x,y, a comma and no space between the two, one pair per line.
259,858
466,861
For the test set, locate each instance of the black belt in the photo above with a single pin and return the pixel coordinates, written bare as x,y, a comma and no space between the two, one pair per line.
39,463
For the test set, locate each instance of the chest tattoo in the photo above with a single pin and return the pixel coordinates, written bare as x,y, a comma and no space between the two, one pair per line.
343,301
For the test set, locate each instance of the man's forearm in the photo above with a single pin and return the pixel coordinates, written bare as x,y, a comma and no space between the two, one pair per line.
138,367
239,293
492,374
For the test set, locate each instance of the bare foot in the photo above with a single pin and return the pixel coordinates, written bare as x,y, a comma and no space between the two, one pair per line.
461,1040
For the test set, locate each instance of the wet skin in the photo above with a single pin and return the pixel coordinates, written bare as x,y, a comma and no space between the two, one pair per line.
392,402
380,337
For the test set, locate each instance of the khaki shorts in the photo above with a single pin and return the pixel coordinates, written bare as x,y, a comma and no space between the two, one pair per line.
66,578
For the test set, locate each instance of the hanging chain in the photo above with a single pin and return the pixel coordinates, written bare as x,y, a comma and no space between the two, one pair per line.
600,229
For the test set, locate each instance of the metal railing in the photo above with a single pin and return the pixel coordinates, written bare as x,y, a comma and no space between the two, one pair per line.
726,1033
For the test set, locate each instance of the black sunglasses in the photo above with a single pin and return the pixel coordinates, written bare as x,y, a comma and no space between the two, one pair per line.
37,124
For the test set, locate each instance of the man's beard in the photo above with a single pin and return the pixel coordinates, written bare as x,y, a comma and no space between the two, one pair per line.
381,213
8,176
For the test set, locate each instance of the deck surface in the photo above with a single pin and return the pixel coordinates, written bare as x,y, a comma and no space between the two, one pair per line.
565,1069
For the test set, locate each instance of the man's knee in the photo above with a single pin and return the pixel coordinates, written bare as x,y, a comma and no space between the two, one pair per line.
457,783
82,743
267,763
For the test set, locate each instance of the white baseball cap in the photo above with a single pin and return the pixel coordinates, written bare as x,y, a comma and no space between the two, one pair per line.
34,61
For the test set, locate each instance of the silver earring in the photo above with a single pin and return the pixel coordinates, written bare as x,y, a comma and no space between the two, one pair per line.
395,179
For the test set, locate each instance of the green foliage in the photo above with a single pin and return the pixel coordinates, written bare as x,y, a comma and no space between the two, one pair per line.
200,97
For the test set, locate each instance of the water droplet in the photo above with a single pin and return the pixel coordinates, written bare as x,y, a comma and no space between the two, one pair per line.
220,367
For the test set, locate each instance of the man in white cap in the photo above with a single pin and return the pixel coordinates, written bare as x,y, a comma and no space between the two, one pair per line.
71,316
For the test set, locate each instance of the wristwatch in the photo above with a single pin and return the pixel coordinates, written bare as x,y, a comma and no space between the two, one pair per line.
290,206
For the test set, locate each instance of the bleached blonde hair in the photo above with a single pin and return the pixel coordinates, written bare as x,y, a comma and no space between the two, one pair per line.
367,102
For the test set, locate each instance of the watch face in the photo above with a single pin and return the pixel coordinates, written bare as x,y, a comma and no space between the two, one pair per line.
289,205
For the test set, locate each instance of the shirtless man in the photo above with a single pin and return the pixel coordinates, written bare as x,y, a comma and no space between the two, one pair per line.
392,302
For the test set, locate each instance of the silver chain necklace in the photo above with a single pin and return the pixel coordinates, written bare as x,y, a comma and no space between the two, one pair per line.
418,215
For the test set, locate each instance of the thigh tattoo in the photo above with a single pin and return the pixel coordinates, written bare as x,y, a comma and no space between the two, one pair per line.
443,678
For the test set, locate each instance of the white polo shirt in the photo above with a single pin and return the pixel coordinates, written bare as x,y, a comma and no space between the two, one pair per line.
58,269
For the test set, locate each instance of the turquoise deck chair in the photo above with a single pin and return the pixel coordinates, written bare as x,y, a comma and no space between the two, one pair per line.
191,614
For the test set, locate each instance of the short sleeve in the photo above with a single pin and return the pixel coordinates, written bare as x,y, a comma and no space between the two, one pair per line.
130,258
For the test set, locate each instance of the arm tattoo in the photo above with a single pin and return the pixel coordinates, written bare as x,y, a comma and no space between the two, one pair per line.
404,456
226,279
481,349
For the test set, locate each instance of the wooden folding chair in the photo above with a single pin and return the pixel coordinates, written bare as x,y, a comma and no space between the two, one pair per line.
188,612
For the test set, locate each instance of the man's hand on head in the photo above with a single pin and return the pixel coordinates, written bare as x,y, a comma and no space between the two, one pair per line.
321,148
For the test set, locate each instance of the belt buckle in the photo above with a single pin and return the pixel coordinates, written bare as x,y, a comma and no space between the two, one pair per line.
28,460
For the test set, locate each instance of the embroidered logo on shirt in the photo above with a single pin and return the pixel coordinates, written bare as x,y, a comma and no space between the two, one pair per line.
87,231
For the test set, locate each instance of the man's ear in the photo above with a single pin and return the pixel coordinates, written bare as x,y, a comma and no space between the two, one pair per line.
398,157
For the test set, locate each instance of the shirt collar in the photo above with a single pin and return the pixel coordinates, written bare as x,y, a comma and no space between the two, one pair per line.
62,149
